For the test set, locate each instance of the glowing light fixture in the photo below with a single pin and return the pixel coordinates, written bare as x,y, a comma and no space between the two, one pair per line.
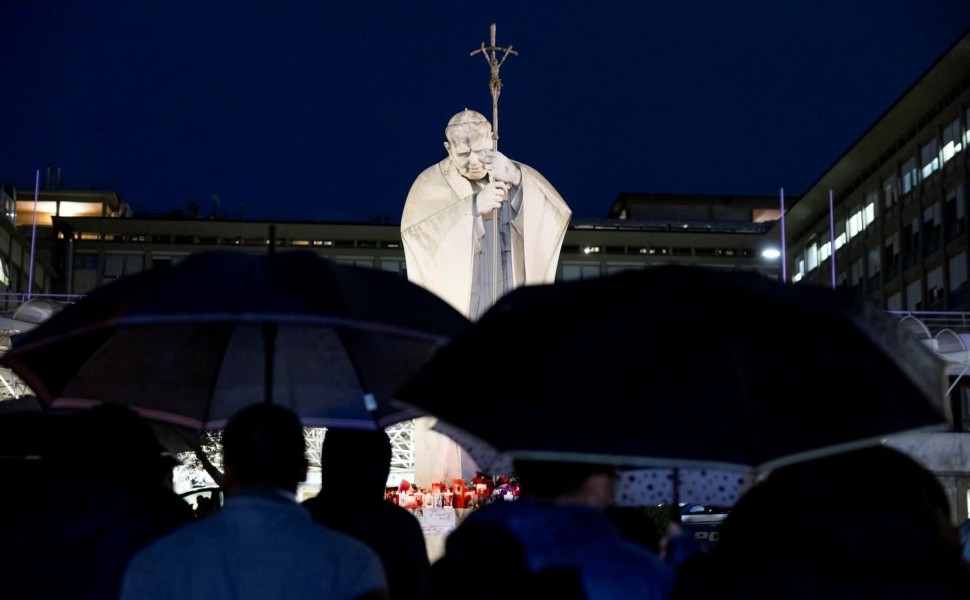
771,253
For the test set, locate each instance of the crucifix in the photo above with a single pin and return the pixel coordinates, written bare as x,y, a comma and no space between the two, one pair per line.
495,83
491,54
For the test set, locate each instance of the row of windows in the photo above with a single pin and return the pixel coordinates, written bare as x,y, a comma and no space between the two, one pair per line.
929,292
119,264
952,139
235,240
922,294
661,251
923,233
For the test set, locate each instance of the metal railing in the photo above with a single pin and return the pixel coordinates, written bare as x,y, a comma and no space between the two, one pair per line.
938,320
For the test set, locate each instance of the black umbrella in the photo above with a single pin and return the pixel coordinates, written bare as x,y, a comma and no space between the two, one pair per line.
681,367
192,344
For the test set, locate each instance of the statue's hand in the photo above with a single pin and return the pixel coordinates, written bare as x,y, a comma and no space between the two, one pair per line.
500,168
492,197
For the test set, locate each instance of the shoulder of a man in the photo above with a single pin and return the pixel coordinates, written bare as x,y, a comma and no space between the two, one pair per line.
361,570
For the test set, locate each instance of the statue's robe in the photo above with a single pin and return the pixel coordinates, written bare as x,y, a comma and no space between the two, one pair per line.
442,234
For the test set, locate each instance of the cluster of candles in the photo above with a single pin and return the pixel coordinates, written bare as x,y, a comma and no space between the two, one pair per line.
459,495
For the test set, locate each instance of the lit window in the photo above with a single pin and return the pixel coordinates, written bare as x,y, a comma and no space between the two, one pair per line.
825,251
797,277
801,267
930,155
952,140
811,256
869,213
839,234
909,175
966,133
855,222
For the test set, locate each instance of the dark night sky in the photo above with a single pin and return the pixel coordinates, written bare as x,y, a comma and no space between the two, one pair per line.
314,110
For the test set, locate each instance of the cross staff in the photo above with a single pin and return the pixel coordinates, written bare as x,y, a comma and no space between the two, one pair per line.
495,87
495,83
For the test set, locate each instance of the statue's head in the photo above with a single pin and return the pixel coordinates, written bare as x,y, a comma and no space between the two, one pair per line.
469,138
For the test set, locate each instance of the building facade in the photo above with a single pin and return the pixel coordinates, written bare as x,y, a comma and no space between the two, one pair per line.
897,232
90,251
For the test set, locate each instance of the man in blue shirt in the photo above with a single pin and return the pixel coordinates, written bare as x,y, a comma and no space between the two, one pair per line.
262,544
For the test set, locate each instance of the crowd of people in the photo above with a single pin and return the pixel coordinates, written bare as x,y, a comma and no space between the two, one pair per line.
89,512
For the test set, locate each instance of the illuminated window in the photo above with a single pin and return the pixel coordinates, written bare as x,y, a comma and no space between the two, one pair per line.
952,140
909,175
966,133
869,212
855,221
811,256
825,251
930,155
800,268
840,237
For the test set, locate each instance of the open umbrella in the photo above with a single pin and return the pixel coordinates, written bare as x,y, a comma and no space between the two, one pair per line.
680,367
192,344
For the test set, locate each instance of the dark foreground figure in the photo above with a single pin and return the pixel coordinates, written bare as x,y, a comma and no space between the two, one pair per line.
262,544
556,542
80,499
866,524
354,469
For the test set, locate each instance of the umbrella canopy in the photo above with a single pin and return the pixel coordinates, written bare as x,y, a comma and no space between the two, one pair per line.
193,344
681,367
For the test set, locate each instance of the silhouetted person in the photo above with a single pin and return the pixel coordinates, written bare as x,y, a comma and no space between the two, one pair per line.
556,536
354,468
101,499
871,523
636,526
262,544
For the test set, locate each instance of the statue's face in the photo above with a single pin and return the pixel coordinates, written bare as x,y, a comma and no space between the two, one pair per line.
467,152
